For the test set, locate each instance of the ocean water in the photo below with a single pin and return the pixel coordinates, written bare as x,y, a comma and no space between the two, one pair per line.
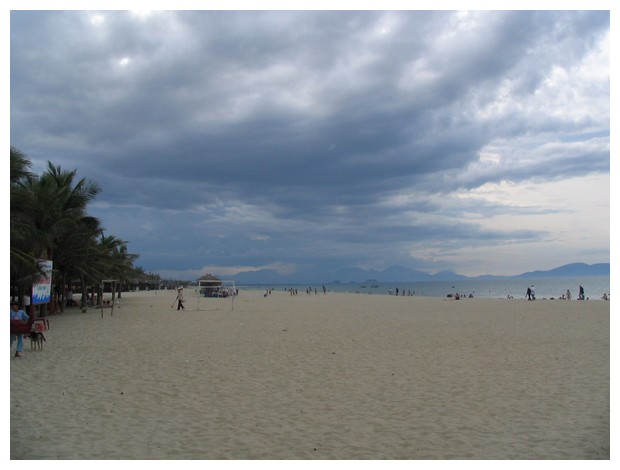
545,288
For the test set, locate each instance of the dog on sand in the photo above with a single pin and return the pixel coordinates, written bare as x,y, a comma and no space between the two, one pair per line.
36,340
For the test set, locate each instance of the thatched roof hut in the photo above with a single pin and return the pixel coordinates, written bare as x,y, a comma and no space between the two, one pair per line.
212,287
210,277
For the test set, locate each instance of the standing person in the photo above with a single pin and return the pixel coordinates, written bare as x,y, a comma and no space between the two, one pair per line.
69,302
180,299
529,293
18,315
533,294
26,302
581,293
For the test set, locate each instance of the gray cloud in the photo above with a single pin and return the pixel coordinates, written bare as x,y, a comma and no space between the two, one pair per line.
321,123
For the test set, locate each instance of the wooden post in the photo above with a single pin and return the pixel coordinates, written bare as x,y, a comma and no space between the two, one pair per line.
112,282
113,292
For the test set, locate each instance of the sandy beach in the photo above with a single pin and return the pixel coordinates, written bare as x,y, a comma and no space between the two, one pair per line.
335,376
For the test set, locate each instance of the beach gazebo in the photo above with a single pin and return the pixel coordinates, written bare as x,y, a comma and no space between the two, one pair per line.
212,286
209,285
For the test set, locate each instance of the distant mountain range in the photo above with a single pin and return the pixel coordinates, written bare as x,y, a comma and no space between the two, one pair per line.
571,270
402,274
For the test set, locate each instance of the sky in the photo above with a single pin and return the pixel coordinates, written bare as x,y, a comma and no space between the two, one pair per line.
305,142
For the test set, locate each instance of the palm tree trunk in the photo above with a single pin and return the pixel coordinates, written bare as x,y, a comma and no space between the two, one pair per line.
84,291
63,291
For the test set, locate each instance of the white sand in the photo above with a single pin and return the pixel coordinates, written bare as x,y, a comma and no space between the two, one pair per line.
336,376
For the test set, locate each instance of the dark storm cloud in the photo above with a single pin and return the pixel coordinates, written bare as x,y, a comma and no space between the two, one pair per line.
321,120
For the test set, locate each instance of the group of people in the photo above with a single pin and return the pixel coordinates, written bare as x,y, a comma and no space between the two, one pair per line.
568,295
309,290
404,292
294,291
458,296
531,295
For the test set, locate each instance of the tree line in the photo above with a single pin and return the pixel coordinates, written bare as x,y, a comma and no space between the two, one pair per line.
49,221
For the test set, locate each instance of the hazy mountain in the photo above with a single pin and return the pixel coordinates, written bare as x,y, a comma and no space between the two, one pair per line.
402,274
571,270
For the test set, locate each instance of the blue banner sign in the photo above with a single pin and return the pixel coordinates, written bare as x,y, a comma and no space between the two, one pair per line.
42,289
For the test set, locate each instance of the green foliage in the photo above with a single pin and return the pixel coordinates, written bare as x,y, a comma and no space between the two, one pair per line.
49,219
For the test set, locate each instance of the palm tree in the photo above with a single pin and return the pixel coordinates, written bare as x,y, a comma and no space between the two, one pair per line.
73,256
113,260
48,213
60,204
20,166
49,220
24,240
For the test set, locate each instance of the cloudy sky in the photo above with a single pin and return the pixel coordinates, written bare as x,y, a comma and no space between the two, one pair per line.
309,141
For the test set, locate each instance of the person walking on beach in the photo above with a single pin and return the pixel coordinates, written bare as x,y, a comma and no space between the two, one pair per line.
581,293
180,299
529,293
18,315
